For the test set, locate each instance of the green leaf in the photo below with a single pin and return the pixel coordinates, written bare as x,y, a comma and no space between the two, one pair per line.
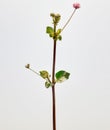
59,37
44,74
47,84
51,35
49,30
58,31
61,76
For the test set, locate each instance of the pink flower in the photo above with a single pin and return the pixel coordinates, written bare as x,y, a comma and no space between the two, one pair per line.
76,5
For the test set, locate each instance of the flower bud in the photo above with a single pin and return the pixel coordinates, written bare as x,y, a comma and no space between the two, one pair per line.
52,15
76,5
57,18
27,66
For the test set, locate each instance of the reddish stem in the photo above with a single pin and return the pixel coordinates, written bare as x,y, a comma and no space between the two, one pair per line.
53,82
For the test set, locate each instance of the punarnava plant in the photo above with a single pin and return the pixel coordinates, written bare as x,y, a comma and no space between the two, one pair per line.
62,75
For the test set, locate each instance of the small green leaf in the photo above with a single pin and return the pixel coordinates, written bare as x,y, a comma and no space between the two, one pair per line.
51,34
58,32
59,37
49,30
47,84
61,76
44,74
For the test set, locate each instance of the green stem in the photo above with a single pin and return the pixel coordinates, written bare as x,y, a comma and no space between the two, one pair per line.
53,81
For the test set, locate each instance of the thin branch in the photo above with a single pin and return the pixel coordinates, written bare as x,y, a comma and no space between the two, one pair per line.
68,20
34,71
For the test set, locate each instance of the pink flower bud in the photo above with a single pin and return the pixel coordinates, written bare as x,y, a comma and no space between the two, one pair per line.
76,5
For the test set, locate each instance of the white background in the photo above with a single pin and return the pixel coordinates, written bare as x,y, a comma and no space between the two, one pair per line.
83,101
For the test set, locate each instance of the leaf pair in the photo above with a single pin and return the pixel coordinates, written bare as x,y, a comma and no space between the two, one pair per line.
52,34
45,75
60,77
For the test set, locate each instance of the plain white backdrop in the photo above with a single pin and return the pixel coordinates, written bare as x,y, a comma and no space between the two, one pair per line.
83,101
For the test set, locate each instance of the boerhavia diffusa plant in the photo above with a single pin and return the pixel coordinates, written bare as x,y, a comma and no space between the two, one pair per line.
62,75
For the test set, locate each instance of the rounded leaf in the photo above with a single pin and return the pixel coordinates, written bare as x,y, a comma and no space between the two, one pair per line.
61,76
44,74
47,84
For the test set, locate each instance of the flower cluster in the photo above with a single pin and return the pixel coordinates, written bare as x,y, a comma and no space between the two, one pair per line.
55,17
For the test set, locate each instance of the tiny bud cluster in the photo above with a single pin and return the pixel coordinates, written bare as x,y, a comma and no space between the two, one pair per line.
56,18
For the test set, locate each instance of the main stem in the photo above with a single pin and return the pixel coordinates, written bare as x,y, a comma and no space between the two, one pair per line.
53,82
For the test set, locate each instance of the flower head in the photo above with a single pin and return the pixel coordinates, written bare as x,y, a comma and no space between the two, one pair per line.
76,5
27,66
